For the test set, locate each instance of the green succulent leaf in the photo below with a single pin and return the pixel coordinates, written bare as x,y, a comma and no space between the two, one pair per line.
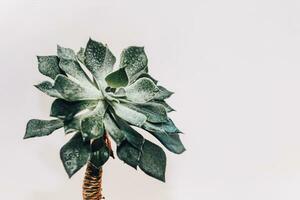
167,107
67,110
72,91
133,63
75,154
74,69
80,55
163,93
129,115
141,91
129,154
117,78
100,153
72,125
65,53
47,88
99,60
48,66
113,130
146,75
39,128
92,125
153,161
155,113
131,135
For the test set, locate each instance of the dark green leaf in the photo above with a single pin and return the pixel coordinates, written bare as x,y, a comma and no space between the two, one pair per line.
48,66
113,130
153,161
66,110
75,154
38,128
117,78
129,154
100,153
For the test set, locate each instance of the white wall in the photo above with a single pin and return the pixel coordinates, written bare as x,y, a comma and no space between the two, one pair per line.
234,66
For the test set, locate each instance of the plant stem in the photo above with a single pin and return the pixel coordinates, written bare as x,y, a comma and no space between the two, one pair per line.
92,184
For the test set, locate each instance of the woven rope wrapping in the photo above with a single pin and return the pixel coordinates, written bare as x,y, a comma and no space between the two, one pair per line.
92,184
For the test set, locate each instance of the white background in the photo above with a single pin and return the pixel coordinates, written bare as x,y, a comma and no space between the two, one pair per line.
234,66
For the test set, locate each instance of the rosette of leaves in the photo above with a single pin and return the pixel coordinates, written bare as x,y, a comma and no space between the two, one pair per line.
94,101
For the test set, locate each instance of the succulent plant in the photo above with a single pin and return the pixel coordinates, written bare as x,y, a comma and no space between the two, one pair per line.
95,102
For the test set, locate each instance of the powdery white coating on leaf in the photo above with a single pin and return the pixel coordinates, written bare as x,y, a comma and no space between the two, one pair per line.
74,69
73,91
65,53
135,62
129,115
48,66
141,91
99,60
47,88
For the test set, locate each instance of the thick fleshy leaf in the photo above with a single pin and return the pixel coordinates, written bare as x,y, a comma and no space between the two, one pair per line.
39,128
131,135
72,125
129,154
117,78
99,60
154,112
153,161
74,69
129,115
48,66
133,63
73,91
168,127
113,130
66,109
141,91
167,107
163,93
80,55
146,75
75,154
65,53
47,88
92,125
100,153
